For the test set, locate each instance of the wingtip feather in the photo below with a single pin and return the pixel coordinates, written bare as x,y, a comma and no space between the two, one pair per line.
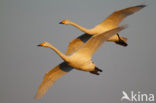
142,6
123,26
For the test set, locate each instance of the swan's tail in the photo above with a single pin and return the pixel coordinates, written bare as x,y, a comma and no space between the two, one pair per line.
96,71
122,41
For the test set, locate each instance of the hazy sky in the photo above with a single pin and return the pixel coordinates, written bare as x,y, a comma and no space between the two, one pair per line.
26,23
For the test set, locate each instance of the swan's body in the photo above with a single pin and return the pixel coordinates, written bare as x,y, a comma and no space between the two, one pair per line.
109,23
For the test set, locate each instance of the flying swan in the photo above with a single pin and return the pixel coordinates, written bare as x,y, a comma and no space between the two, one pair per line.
80,59
60,70
109,23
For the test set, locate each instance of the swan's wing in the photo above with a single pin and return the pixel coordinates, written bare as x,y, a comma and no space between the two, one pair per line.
116,17
91,46
50,78
75,44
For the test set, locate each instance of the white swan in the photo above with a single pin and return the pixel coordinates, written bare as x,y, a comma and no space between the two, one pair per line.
109,23
81,60
61,69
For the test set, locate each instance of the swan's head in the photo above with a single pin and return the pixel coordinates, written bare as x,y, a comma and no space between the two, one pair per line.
66,22
44,44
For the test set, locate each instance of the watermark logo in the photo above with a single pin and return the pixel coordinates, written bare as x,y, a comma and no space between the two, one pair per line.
137,97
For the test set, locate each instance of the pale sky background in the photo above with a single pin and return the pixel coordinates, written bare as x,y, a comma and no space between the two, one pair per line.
26,23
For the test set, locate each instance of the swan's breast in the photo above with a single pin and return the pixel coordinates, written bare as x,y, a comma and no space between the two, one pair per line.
81,63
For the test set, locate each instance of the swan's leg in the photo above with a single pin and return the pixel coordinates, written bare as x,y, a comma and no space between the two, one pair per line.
97,69
95,72
120,41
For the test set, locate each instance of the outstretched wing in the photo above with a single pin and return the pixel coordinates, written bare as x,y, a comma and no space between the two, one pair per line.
75,44
116,17
91,46
51,77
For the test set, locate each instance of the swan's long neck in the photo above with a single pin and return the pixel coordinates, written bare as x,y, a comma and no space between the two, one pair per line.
64,57
82,28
